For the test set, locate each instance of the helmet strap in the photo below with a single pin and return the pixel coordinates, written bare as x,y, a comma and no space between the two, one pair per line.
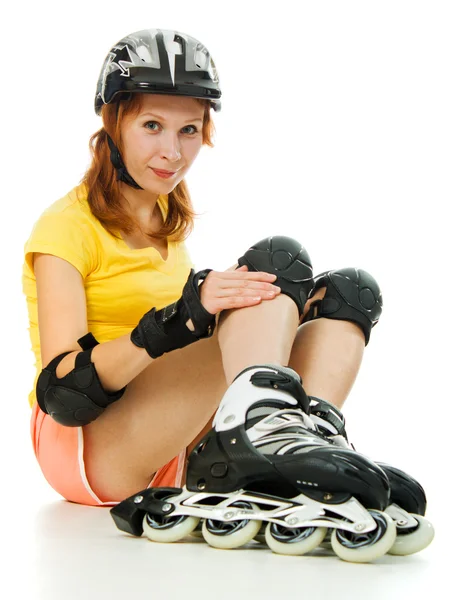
122,173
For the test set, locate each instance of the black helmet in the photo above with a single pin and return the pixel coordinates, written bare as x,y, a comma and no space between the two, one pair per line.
158,61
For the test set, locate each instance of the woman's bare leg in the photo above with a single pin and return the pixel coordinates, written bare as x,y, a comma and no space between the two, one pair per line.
263,333
163,409
257,334
327,354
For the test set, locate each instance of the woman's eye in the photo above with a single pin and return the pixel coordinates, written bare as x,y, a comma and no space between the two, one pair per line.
151,123
192,127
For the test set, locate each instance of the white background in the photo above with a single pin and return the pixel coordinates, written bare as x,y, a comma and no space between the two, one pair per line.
334,129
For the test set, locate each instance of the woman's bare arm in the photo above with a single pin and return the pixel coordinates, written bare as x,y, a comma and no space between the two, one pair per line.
62,317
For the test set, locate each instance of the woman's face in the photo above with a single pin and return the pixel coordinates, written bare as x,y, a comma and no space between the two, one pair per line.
167,135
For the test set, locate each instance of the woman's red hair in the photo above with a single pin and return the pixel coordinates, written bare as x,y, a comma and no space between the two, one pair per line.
101,177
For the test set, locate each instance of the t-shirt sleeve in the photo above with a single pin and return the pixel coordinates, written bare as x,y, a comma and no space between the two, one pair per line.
63,235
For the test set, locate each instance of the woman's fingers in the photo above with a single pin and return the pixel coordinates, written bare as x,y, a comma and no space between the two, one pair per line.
244,280
256,289
237,288
250,275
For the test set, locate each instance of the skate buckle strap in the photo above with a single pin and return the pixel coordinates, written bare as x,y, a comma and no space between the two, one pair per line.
324,410
278,380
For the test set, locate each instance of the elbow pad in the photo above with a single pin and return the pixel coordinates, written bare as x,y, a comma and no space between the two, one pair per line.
78,398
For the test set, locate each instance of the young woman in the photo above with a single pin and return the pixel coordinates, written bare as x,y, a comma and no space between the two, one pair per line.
107,270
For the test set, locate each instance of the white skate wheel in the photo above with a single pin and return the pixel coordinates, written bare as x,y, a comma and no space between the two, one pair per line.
365,547
231,534
174,530
296,541
414,541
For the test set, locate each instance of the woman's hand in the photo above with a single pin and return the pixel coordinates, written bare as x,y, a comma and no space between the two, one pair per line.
236,289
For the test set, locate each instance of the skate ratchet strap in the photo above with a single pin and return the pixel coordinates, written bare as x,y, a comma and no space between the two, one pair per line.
329,413
285,379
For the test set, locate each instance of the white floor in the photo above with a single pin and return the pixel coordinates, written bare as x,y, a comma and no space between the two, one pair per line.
55,550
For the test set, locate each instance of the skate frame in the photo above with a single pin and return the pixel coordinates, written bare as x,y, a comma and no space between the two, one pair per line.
299,511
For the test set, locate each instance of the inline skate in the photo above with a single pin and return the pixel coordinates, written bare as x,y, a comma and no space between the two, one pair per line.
265,464
407,503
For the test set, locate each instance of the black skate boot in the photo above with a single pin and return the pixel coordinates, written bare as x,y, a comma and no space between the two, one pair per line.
264,461
407,504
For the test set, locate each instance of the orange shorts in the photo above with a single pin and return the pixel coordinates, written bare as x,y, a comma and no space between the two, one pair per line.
59,452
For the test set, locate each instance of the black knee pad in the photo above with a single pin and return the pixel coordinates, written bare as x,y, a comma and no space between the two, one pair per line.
288,260
352,295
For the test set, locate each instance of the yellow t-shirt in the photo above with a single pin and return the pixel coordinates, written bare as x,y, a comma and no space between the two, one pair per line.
121,284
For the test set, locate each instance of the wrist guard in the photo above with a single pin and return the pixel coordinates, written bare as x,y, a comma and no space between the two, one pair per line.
164,330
